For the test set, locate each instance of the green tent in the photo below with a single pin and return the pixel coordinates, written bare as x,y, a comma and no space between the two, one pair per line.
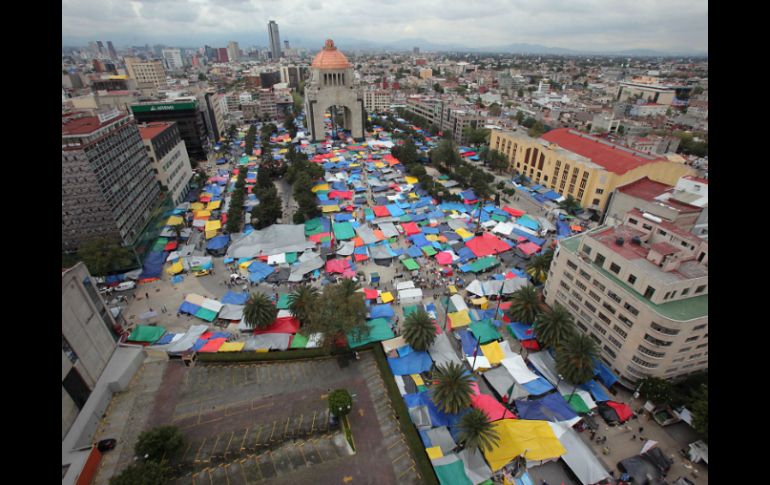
498,218
428,250
577,404
379,329
314,226
283,302
452,474
146,333
483,264
205,314
160,243
298,342
410,264
368,213
408,310
291,258
343,230
485,331
405,218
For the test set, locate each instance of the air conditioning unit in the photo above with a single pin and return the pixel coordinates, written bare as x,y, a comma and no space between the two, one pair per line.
636,240
619,241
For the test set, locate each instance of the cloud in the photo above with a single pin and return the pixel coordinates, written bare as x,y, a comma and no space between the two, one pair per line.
575,24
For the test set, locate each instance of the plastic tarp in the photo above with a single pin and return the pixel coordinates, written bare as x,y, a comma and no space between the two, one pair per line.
388,229
548,408
458,303
450,471
440,437
344,230
484,331
274,239
521,331
623,411
579,457
502,382
146,333
604,373
218,242
492,352
476,469
442,352
382,311
379,330
234,298
487,244
231,312
538,386
491,407
534,439
413,363
596,390
518,369
270,341
460,318
188,339
280,325
528,248
308,263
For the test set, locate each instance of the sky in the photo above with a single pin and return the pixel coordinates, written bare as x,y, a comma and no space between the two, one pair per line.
588,25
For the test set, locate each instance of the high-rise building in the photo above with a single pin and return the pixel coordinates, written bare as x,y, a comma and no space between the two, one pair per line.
286,45
216,107
233,52
222,55
186,113
269,79
108,187
172,58
111,49
640,291
100,46
294,75
416,51
211,53
275,40
168,157
146,72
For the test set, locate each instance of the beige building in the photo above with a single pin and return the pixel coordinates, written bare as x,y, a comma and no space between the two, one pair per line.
88,341
448,117
587,168
169,158
377,100
640,291
646,88
426,73
146,72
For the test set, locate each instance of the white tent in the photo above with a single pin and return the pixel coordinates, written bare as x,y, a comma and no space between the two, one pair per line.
579,456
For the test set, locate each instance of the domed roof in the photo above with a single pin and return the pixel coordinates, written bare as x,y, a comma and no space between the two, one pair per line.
330,58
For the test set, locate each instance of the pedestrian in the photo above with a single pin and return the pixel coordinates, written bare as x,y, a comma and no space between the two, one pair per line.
641,429
147,295
593,435
633,437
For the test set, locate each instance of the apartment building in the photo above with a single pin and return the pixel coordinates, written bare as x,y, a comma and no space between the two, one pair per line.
649,89
186,113
146,72
169,158
108,186
587,168
377,100
448,117
640,291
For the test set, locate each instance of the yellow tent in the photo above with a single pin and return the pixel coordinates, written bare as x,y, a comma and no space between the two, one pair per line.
482,302
463,233
213,226
434,452
386,296
331,208
417,379
202,214
412,195
320,187
534,439
379,164
460,319
210,234
245,264
410,180
213,205
493,352
175,268
283,150
232,346
431,237
196,206
174,221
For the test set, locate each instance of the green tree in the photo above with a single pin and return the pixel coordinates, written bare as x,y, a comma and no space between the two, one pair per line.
340,402
259,312
476,136
419,331
452,389
575,359
303,302
570,204
406,153
525,305
102,256
700,411
537,129
497,160
269,209
520,93
529,122
520,115
538,267
476,431
657,390
201,76
340,312
554,326
143,473
158,444
495,109
445,154
437,87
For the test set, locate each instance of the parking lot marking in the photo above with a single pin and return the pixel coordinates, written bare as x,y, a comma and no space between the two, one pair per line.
243,441
286,429
187,450
400,456
302,452
213,448
199,450
273,431
301,418
229,441
312,425
411,468
395,443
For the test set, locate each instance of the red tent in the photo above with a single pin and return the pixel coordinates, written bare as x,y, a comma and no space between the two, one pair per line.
530,344
370,293
213,345
410,228
514,212
528,248
444,257
624,412
487,244
281,325
491,407
381,211
170,246
337,265
341,194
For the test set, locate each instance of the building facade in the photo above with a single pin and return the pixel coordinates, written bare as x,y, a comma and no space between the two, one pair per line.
294,75
377,100
146,72
640,291
447,117
275,40
169,158
216,106
88,340
183,111
173,59
108,186
576,164
233,51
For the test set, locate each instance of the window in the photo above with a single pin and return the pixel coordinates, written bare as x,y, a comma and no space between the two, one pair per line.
692,339
595,338
599,191
680,359
614,341
619,331
589,306
633,221
594,296
577,296
608,307
599,260
564,285
649,292
631,279
569,276
684,349
702,345
613,296
595,202
698,327
662,232
614,268
633,311
573,305
685,291
586,249
651,353
658,342
585,275
700,289
609,351
643,363
580,285
582,327
600,329
599,285
604,318
571,264
694,356
647,226
662,329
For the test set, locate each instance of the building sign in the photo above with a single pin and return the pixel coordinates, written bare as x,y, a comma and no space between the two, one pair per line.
152,108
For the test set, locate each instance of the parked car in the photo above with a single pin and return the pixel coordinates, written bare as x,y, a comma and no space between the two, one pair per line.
202,272
125,286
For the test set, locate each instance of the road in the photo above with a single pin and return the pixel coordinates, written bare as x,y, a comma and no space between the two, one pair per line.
288,205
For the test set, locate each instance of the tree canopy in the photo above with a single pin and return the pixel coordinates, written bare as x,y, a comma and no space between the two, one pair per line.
103,256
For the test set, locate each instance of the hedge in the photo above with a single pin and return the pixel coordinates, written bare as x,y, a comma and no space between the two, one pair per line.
252,356
413,439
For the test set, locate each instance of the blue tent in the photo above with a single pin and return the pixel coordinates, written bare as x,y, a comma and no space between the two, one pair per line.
413,363
596,391
521,331
562,229
260,269
233,298
153,264
604,373
538,386
382,311
218,242
551,408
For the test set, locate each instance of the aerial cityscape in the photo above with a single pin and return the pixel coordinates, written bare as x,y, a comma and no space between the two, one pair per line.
384,243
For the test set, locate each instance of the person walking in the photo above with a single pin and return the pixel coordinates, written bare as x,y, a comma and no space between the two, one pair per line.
147,295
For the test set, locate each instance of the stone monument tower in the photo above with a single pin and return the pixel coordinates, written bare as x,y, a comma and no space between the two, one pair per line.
331,84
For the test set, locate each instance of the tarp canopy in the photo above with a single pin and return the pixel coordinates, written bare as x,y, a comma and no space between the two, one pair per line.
146,333
268,341
551,407
533,439
188,339
442,352
487,244
412,363
274,239
379,329
484,331
491,407
280,325
476,469
579,457
622,410
450,471
234,298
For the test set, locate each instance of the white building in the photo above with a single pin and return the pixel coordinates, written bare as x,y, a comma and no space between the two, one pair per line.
172,58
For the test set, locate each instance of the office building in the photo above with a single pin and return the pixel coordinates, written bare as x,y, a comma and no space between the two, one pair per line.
275,40
216,107
233,52
455,119
222,55
649,89
100,48
185,112
416,51
269,79
173,59
168,157
640,290
377,100
111,49
146,72
108,187
587,168
293,76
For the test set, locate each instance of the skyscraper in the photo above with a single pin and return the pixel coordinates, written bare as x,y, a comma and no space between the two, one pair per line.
173,59
233,52
275,39
100,46
111,48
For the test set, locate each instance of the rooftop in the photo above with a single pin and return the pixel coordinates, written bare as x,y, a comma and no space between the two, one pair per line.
652,191
330,58
614,158
76,124
151,130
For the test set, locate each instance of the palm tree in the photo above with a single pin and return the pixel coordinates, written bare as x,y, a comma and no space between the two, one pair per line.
525,305
259,312
303,303
419,331
555,326
570,204
575,359
348,287
477,431
539,266
452,390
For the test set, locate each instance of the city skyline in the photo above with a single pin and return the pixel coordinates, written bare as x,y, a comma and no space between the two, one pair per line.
587,26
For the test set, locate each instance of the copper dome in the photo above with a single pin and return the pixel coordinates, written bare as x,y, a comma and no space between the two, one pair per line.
330,58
